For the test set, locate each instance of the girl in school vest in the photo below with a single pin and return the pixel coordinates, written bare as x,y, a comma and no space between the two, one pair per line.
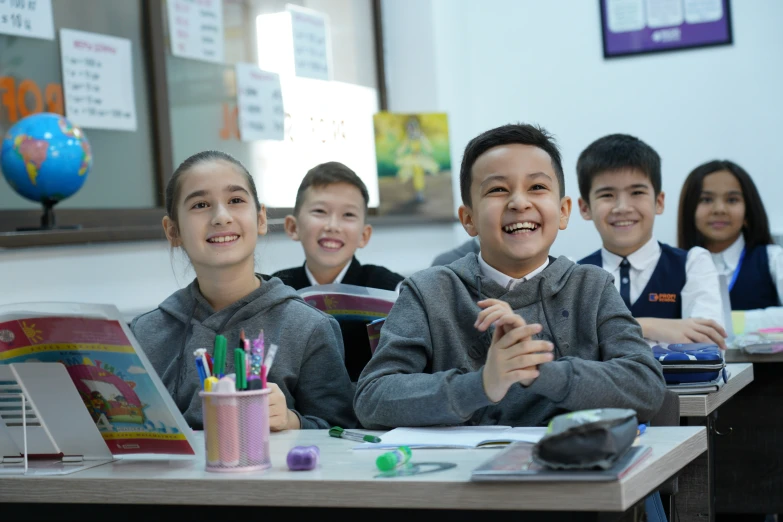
213,214
721,210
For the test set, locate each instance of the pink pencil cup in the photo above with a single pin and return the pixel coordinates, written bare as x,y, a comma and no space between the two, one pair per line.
241,440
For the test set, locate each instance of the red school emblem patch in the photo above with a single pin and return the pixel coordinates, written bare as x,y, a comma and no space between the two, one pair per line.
663,298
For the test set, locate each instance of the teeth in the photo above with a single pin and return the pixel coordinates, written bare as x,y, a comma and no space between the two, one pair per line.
222,239
623,223
330,244
527,225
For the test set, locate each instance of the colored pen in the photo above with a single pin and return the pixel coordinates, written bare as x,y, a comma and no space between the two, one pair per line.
221,346
210,363
267,366
201,353
202,376
339,433
239,364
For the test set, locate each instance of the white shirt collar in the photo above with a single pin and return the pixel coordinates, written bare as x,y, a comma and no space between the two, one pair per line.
640,259
502,279
731,255
337,280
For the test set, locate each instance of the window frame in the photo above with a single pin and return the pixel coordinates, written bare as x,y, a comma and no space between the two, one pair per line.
101,225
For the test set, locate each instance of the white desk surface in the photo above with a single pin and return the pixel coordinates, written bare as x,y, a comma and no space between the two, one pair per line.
703,405
345,478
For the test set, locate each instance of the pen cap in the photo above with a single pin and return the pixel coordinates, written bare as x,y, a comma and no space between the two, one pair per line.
392,459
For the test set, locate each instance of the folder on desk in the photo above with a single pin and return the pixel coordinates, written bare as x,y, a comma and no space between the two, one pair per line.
515,464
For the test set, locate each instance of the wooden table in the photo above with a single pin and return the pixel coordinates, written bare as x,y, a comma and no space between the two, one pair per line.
345,479
749,450
696,500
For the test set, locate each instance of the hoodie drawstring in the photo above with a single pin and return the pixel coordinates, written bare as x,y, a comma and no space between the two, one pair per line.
179,361
546,318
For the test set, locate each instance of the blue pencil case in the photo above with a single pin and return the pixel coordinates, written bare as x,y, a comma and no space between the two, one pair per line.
690,362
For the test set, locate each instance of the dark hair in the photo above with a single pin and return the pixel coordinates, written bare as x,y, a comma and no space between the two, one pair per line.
615,152
509,134
330,173
756,230
173,186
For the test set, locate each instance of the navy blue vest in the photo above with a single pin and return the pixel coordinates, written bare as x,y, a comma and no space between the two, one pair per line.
754,287
661,297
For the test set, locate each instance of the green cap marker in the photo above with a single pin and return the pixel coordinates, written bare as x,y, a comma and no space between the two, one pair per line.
339,433
391,460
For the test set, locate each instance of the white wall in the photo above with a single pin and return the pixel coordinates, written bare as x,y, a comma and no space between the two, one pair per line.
492,62
137,276
487,63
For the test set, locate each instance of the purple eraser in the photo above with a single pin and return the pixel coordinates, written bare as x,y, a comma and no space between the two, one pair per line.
303,458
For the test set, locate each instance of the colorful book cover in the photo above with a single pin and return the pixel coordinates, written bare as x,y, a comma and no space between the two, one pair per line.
350,301
125,397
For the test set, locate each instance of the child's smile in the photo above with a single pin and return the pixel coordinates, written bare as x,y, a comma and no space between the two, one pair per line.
516,209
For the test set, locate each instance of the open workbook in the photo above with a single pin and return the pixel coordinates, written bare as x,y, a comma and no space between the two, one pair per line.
130,406
461,437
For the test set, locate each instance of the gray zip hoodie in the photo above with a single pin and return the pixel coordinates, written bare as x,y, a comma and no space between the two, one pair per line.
309,367
427,369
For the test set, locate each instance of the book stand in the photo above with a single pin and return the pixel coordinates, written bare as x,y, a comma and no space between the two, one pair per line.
44,423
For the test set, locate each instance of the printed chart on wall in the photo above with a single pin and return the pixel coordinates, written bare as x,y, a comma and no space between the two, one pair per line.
30,18
97,80
259,104
414,164
196,29
130,406
644,26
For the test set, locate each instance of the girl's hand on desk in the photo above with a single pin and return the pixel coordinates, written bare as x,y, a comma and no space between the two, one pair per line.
280,417
692,330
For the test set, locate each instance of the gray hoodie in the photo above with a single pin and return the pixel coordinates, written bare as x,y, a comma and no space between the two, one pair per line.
308,368
427,369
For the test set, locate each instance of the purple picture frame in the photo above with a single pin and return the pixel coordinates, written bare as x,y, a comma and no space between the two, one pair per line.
637,37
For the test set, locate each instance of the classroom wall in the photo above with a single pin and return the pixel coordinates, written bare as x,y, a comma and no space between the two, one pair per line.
137,276
487,63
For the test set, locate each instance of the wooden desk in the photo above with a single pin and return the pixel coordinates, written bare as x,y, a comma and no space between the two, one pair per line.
741,374
696,499
748,449
346,479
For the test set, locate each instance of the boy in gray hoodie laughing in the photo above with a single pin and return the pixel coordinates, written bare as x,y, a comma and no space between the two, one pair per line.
510,336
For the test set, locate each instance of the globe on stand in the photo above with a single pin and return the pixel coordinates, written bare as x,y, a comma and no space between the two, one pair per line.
46,159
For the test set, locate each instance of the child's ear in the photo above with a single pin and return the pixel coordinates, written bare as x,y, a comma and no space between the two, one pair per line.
565,211
263,225
291,227
171,231
659,202
584,209
466,218
366,233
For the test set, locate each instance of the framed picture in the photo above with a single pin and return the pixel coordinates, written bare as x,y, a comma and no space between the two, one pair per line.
414,164
631,27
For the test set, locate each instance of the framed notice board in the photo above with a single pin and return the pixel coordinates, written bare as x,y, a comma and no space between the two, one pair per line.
631,27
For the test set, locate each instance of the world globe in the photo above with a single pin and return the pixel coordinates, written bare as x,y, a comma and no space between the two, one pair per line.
45,158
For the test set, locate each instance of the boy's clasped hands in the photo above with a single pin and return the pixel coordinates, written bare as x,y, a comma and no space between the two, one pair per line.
514,356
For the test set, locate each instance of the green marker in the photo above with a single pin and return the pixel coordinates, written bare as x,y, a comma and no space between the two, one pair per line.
339,433
221,345
392,460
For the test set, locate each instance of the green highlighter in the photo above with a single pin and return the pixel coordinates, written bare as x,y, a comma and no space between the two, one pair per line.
221,345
